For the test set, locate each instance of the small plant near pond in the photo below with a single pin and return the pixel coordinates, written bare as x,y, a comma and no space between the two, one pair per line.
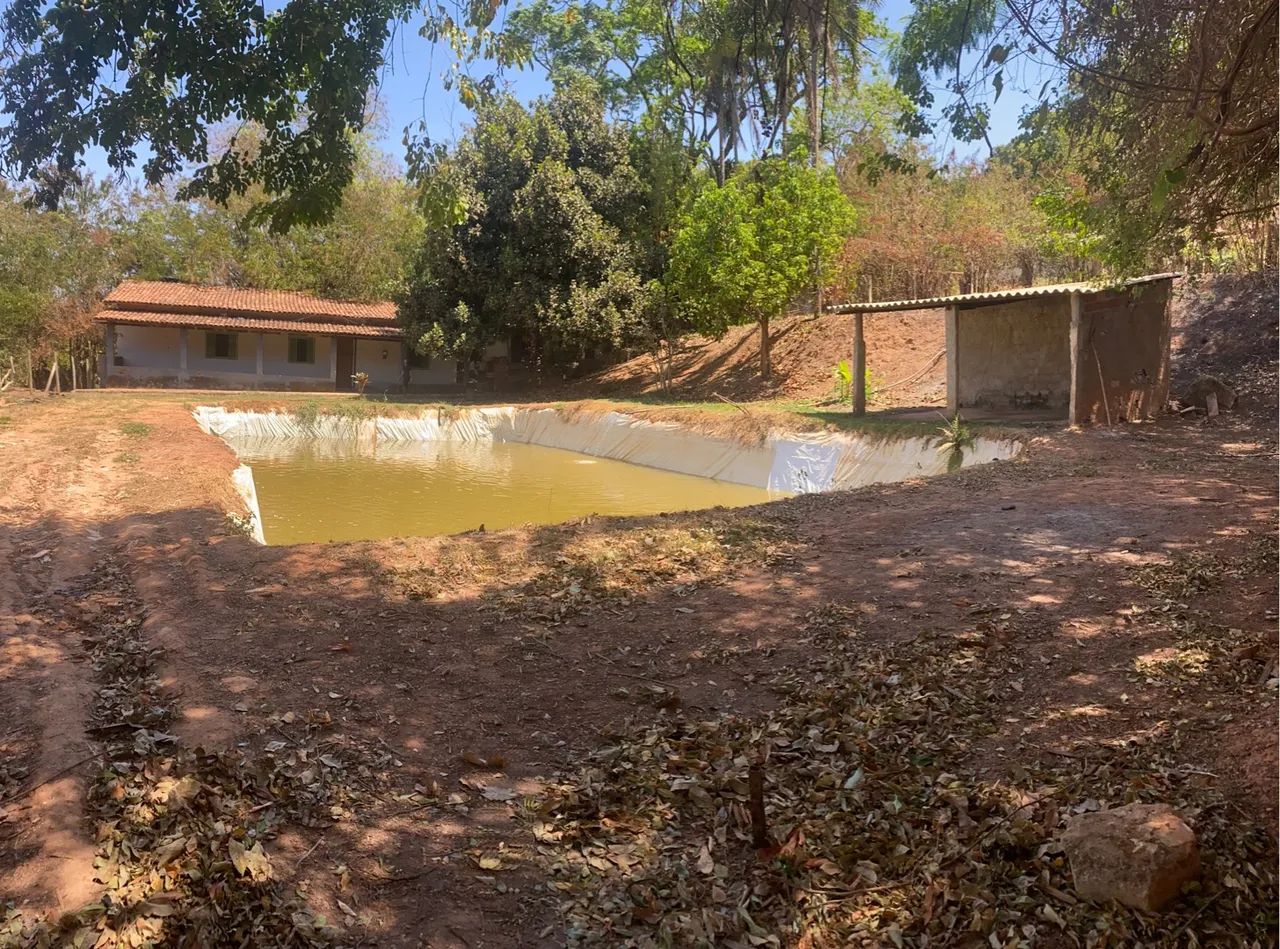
135,429
352,411
360,380
307,413
842,372
957,438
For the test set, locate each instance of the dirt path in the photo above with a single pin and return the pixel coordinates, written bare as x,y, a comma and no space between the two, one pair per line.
530,648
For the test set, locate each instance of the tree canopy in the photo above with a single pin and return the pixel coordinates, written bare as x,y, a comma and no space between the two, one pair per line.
1166,112
540,225
746,249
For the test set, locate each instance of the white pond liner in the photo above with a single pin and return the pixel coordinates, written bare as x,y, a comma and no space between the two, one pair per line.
800,463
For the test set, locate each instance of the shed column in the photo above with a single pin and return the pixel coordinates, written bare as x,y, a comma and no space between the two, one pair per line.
953,365
859,382
1077,362
183,333
333,362
258,380
108,353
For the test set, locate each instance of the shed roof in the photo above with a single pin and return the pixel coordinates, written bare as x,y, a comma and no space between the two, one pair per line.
994,296
172,297
247,324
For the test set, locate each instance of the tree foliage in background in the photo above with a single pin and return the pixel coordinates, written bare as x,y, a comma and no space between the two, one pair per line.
967,227
56,265
54,268
1165,111
359,253
541,231
745,249
727,74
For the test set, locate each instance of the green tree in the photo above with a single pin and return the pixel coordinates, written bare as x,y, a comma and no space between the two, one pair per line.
746,249
541,231
359,253
1164,111
54,267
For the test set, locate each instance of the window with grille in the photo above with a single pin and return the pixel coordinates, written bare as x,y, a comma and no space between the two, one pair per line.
220,345
302,349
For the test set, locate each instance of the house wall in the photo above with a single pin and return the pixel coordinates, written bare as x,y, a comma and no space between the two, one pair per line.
275,357
245,363
1120,346
1014,355
384,373
147,347
151,356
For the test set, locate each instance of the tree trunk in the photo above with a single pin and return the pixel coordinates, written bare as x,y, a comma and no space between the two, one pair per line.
815,126
766,367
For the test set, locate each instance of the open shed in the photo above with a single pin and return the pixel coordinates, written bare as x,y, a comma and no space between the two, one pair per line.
1077,351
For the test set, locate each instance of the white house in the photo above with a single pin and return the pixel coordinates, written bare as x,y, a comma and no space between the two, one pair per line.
162,333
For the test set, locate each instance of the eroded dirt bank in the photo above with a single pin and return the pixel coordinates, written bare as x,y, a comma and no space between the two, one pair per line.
1113,592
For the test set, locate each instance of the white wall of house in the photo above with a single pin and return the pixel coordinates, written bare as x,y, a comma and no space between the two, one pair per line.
147,347
198,364
275,357
150,355
381,359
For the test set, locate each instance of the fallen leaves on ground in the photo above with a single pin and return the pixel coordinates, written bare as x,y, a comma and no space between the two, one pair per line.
884,829
181,831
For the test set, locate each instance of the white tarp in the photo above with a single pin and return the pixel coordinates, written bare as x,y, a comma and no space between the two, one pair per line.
799,463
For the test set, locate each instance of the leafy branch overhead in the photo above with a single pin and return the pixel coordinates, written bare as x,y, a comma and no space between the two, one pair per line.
146,81
1166,111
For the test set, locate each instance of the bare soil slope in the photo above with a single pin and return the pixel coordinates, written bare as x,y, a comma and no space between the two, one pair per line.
1224,326
805,353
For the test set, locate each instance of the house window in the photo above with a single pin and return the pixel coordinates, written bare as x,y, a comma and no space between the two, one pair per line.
302,349
220,345
418,361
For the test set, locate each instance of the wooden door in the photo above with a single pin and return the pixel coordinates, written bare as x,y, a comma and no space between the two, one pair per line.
346,363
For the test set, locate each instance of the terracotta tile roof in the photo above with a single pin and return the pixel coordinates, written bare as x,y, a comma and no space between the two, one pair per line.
245,324
169,297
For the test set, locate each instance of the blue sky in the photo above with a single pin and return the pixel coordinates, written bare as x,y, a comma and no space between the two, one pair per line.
411,91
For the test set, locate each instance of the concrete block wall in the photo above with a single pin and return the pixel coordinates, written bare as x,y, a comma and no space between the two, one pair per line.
1014,355
1120,352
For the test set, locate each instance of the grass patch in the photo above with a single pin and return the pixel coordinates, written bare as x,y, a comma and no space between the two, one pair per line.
135,429
127,458
6,421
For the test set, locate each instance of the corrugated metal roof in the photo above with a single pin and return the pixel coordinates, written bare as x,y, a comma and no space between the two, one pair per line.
994,296
171,296
246,324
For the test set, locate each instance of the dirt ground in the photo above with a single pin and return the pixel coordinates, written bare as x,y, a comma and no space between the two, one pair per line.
407,702
903,362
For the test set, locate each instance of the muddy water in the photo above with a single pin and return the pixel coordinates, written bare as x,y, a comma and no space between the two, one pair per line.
322,491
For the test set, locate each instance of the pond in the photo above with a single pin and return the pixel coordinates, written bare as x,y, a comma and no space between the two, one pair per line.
314,490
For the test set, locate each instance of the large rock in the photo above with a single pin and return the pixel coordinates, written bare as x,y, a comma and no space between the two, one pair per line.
1139,854
1198,393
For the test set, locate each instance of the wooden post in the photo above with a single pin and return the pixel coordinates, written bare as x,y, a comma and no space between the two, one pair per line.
859,381
258,380
183,376
333,362
108,353
953,361
74,379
